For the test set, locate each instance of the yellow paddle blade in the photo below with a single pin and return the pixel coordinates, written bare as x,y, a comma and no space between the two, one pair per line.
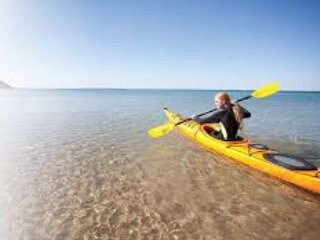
266,90
161,130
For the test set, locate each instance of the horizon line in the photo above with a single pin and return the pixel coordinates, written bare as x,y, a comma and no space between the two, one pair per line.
151,89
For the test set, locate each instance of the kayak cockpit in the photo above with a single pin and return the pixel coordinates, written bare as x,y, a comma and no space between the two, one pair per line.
214,130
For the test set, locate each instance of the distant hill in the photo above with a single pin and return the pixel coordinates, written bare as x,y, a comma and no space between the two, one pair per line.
4,85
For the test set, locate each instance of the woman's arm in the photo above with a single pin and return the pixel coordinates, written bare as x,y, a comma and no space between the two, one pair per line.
246,113
214,117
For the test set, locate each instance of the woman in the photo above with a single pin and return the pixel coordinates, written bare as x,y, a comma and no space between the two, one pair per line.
229,114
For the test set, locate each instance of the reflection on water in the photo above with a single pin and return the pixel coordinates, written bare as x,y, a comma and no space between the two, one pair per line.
76,171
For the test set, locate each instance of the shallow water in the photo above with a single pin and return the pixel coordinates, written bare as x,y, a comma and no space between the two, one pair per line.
79,165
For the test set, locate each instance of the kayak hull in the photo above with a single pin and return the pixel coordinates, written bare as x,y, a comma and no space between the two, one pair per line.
257,156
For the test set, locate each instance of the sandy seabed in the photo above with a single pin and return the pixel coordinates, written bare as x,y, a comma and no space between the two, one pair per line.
169,188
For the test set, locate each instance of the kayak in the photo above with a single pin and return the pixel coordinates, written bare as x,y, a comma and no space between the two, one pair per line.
288,168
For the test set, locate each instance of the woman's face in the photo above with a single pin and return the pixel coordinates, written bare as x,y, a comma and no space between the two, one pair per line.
220,103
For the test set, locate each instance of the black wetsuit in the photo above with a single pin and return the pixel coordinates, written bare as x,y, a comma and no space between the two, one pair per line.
228,119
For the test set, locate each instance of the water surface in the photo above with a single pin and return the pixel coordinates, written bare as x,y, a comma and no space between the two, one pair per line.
78,164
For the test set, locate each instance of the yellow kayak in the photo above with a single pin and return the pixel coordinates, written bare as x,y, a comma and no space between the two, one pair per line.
285,167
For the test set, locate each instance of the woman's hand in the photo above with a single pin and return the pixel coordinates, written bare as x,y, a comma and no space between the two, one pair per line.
193,116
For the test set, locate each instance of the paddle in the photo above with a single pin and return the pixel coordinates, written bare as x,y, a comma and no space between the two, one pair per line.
261,92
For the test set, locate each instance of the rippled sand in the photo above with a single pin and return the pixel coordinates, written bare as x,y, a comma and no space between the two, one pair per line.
106,187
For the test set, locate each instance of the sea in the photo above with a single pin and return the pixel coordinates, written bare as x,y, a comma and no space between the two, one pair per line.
79,164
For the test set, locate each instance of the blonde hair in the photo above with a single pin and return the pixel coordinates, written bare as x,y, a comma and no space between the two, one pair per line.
224,96
237,110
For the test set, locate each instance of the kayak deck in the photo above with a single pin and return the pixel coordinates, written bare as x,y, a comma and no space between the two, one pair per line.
258,156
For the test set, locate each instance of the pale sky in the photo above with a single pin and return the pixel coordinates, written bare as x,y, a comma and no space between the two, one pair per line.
180,44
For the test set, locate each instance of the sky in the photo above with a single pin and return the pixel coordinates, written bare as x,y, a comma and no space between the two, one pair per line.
175,44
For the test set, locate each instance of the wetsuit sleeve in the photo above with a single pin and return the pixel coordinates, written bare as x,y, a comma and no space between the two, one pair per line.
214,117
246,113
